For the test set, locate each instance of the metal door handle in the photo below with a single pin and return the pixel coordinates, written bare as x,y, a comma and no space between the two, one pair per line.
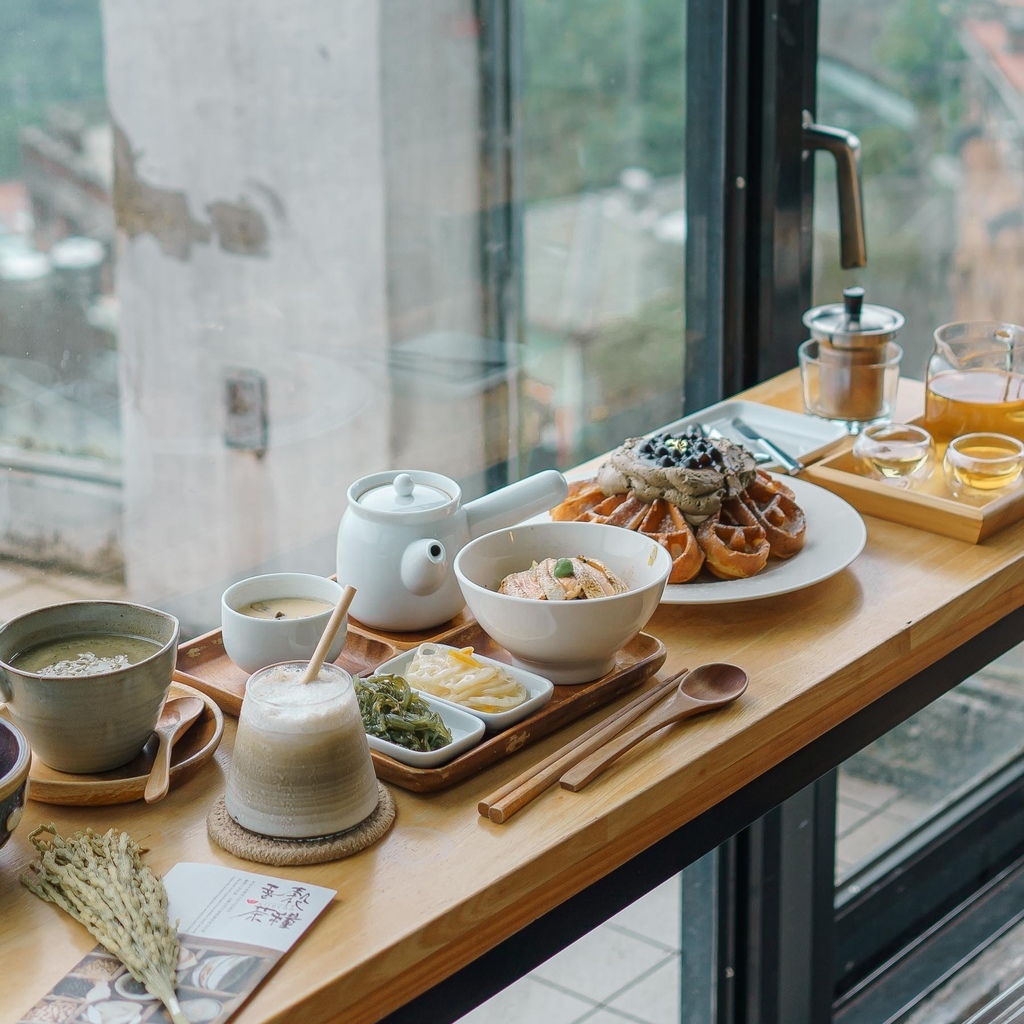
845,147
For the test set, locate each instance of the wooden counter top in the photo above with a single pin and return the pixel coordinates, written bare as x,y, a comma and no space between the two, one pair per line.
445,884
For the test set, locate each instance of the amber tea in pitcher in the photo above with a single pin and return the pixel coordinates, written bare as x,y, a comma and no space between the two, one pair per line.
975,380
966,401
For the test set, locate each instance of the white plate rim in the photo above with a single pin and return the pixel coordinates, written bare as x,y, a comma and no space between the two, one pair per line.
471,727
541,689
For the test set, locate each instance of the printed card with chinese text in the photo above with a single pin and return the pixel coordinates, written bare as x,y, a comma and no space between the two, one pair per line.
233,927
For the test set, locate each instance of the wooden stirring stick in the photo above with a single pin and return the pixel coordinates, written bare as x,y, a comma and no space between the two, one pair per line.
333,625
514,795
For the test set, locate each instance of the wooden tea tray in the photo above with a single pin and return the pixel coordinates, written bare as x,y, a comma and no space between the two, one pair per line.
203,664
927,505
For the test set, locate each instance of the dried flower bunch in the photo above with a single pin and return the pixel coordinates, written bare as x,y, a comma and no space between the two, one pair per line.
102,883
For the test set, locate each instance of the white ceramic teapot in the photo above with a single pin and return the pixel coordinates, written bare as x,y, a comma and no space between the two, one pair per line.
402,530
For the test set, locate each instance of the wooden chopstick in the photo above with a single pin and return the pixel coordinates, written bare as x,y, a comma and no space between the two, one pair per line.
516,794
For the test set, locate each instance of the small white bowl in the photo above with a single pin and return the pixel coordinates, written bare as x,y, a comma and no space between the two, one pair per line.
253,643
564,641
540,689
466,730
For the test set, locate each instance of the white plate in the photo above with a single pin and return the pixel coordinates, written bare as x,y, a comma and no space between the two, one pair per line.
793,432
836,535
466,730
539,687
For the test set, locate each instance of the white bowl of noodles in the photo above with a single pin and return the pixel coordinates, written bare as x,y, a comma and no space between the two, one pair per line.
447,675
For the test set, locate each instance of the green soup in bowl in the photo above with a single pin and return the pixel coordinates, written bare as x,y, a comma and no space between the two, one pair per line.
85,681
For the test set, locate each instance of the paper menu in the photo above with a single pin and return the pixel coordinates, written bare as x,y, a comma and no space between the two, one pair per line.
214,902
233,927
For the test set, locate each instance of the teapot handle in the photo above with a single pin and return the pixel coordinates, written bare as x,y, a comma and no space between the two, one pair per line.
516,502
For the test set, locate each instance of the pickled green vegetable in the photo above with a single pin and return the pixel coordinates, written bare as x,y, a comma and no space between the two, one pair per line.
392,711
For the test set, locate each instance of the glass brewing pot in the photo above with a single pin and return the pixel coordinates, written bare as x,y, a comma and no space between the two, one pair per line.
975,380
850,365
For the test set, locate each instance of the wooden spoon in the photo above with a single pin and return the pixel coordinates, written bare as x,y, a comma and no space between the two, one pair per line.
705,688
178,714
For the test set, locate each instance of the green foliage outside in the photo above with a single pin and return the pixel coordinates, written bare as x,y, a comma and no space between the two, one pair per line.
604,89
916,47
51,51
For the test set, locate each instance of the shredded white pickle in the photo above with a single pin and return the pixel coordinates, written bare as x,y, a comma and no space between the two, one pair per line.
459,676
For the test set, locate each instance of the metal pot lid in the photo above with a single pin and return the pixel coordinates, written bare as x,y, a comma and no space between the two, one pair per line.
404,494
853,323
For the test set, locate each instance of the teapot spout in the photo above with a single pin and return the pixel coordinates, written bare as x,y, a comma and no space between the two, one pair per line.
424,566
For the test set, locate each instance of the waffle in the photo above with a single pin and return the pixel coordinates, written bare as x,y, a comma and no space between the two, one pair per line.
734,547
773,508
734,542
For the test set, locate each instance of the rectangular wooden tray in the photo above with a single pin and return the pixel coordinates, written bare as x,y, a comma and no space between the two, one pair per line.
928,505
203,663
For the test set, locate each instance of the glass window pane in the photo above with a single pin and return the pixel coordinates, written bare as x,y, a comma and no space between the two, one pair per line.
929,89
602,124
925,765
252,252
347,239
933,92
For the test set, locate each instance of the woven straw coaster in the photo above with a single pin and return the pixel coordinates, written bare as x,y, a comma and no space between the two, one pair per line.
227,833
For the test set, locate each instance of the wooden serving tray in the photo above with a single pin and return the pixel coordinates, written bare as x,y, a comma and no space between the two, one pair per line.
406,641
203,664
927,505
634,663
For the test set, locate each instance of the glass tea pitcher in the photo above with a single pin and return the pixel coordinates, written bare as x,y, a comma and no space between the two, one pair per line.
975,380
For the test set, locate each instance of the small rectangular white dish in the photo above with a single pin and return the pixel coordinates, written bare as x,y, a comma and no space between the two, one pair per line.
806,437
540,689
467,730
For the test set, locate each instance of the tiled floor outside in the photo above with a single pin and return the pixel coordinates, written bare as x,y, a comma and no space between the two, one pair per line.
625,970
628,968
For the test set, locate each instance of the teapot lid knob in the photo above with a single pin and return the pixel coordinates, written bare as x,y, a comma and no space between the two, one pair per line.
853,301
404,485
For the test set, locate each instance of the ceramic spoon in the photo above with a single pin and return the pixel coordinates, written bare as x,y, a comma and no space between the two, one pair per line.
707,687
178,714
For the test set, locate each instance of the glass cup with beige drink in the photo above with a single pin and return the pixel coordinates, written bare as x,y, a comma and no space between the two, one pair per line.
900,454
301,766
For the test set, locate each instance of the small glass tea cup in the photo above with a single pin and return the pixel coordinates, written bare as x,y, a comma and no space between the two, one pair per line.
978,464
897,453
